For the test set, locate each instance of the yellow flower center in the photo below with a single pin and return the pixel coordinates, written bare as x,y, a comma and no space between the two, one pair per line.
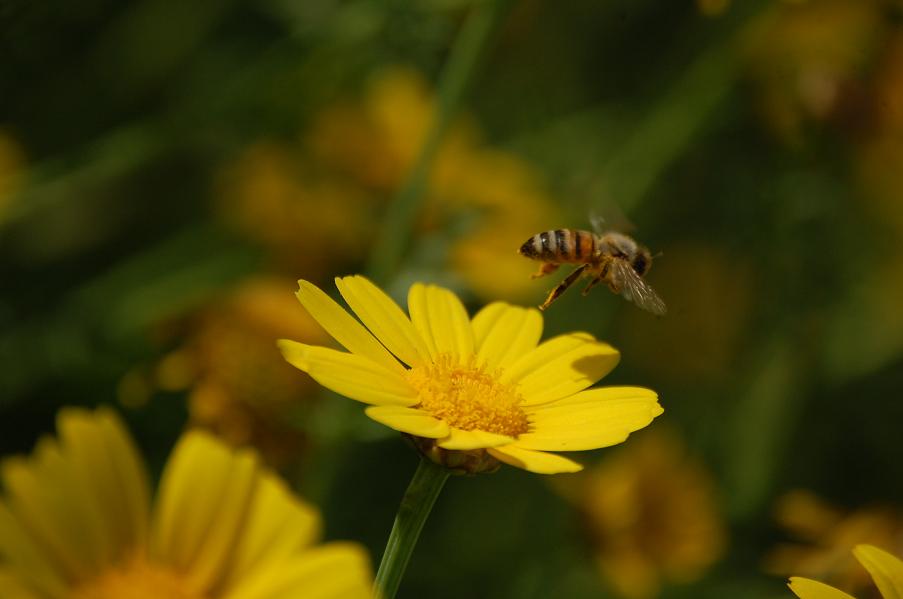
469,398
136,579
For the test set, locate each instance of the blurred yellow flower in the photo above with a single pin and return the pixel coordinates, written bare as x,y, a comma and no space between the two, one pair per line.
885,569
77,522
470,391
828,534
240,388
314,206
651,514
506,203
307,221
808,59
497,194
375,141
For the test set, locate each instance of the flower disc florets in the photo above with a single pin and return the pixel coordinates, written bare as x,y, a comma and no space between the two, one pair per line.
469,398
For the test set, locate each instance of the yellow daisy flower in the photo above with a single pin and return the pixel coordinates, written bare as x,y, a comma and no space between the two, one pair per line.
472,393
885,569
76,522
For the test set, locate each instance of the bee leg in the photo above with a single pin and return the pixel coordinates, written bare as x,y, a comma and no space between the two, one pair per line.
603,276
562,287
599,275
592,283
546,268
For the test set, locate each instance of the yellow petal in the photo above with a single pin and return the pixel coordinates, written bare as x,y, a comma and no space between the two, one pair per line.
811,589
21,551
71,504
534,461
132,477
211,563
466,440
93,464
505,333
278,526
561,367
886,570
420,318
590,419
204,492
350,375
409,420
184,471
332,571
384,319
41,496
343,327
440,318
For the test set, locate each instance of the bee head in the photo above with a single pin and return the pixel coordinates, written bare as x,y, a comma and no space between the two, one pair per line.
642,261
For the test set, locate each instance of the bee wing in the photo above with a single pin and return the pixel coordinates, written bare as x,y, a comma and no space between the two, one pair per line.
597,221
608,216
635,289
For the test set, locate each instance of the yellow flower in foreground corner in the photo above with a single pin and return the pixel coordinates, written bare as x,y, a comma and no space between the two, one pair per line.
471,393
76,522
886,571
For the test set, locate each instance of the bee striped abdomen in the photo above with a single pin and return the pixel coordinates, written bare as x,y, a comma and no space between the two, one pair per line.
585,246
560,245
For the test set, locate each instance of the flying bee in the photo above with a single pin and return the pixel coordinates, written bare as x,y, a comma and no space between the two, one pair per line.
611,258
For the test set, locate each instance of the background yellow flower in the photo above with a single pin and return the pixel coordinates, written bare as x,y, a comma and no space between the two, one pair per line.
76,520
807,57
651,515
238,387
269,194
480,199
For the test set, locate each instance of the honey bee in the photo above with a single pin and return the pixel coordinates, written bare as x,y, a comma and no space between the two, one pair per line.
610,257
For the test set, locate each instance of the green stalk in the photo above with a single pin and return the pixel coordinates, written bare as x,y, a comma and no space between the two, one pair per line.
455,76
415,506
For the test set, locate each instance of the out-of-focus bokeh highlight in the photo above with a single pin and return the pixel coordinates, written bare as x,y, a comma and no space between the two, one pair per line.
169,170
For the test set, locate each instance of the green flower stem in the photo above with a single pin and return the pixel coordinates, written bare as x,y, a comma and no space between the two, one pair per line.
453,81
415,507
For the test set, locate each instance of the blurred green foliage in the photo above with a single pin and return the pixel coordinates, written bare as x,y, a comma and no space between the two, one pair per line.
758,146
